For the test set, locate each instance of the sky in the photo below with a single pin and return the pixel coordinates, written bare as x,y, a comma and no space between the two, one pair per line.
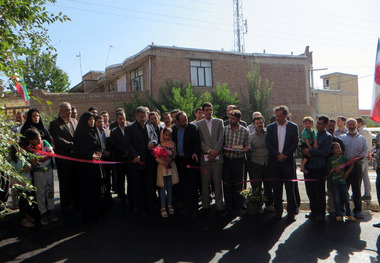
341,34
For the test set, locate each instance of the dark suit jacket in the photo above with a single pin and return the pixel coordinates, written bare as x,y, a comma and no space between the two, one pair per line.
290,145
191,142
137,141
63,137
118,143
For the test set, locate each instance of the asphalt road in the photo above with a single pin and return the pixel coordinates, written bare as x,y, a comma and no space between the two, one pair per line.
121,237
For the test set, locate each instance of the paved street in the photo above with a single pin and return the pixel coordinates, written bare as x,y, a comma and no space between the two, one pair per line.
121,237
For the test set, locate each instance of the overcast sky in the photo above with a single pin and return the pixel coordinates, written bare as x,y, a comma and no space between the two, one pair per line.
341,34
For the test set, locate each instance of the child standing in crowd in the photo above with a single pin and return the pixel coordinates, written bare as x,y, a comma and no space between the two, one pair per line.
167,173
309,139
338,178
42,175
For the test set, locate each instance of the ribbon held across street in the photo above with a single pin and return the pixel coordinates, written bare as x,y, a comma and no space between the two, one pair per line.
77,159
279,179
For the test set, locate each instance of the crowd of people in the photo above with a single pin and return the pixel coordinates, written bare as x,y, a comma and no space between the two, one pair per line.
171,166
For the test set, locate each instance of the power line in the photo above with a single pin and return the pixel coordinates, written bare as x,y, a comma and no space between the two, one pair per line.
140,18
149,13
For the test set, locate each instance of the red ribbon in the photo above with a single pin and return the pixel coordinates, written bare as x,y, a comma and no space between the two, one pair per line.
277,179
77,159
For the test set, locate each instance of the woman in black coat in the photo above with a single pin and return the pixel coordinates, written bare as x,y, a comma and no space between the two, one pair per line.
34,119
89,146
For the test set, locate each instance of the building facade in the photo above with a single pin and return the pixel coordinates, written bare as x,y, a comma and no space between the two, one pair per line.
148,70
339,96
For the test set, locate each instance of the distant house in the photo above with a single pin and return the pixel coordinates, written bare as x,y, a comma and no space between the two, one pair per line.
339,96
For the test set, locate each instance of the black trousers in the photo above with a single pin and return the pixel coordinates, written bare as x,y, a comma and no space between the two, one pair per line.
281,173
354,181
142,186
316,191
68,183
378,184
121,172
108,169
233,172
186,190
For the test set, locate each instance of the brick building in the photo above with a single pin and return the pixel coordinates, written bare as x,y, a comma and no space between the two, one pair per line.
148,70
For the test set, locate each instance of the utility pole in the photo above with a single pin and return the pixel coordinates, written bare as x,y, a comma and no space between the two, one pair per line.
240,26
80,64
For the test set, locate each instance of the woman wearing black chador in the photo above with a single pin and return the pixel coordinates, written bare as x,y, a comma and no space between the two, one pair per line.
33,119
88,145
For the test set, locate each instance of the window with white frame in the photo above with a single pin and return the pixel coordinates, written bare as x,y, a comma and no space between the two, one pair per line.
200,71
137,79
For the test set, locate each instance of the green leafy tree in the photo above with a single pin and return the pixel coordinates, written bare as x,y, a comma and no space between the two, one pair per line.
166,97
41,72
221,97
187,100
22,33
258,94
8,172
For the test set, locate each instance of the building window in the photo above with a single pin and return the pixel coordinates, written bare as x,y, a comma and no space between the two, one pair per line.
327,83
200,71
122,84
137,79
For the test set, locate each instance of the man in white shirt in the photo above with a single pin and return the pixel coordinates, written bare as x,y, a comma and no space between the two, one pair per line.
362,130
212,138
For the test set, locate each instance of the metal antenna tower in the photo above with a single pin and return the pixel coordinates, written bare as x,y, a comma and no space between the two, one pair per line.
240,26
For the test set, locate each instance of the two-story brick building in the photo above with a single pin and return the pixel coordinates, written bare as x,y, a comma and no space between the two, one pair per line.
148,70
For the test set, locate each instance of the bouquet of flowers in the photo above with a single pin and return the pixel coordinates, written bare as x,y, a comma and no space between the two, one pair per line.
162,153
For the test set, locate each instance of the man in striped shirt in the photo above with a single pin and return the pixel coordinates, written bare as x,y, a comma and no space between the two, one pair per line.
236,143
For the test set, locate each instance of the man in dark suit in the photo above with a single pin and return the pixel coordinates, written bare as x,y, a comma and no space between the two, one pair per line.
62,131
188,142
141,138
282,141
119,154
316,167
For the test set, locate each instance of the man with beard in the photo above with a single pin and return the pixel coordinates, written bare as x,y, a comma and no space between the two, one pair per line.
356,146
188,143
141,138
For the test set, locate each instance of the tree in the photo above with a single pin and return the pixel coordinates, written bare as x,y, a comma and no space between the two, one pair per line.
221,97
22,33
41,72
176,96
185,99
259,95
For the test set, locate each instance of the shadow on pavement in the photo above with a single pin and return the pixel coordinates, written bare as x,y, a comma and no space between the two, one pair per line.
121,237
